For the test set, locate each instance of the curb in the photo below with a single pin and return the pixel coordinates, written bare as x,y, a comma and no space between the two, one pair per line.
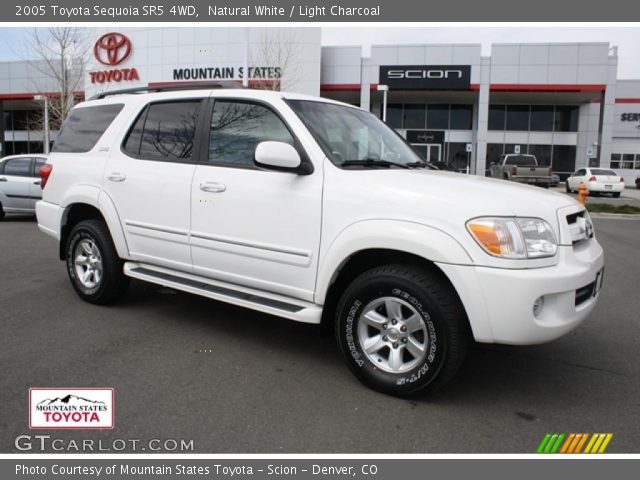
631,216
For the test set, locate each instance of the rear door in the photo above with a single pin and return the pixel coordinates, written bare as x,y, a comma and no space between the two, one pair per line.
149,181
15,183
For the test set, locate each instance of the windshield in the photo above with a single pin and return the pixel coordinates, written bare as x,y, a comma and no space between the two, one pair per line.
521,160
350,136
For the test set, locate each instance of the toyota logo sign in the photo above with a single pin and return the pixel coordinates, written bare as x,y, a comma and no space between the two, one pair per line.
112,48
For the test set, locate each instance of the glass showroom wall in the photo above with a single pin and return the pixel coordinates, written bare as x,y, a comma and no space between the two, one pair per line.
435,117
550,119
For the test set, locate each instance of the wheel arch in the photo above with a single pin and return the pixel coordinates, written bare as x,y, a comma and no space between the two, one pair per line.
359,249
103,210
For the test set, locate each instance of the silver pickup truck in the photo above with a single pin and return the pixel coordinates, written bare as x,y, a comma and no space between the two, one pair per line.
521,168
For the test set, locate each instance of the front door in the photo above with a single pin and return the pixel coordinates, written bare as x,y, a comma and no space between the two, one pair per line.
250,226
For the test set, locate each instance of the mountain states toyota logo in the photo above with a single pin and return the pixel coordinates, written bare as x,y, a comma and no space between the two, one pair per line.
71,408
112,48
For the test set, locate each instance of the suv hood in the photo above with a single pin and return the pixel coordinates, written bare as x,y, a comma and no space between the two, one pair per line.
444,197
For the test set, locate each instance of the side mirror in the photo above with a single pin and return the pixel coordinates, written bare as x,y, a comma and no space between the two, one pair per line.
277,156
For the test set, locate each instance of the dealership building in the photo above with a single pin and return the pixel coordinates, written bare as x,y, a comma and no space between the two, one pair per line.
562,102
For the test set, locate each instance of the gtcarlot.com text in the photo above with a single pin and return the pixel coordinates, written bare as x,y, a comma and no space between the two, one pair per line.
47,443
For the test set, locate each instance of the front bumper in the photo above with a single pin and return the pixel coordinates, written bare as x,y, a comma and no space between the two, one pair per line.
499,302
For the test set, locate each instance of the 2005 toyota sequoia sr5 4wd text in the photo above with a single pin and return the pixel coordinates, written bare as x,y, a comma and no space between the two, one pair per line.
316,211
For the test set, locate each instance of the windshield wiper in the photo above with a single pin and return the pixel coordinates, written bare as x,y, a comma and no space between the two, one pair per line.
421,165
372,162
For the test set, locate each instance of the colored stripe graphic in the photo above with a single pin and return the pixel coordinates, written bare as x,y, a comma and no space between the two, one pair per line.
574,442
550,443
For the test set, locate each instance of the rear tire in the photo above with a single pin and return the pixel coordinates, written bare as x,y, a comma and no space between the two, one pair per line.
93,265
616,195
402,329
2,214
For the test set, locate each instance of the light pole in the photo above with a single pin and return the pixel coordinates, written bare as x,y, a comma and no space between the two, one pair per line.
46,121
384,89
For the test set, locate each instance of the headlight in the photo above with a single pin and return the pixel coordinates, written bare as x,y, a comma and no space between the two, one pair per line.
515,238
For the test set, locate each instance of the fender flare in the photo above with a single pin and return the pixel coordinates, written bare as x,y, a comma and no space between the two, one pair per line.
94,197
418,239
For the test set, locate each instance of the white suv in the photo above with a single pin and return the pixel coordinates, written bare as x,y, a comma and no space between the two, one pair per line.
315,211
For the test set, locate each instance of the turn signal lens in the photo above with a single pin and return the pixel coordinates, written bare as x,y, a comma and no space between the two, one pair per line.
514,238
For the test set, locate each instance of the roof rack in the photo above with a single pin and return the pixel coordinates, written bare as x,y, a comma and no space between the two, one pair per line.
169,87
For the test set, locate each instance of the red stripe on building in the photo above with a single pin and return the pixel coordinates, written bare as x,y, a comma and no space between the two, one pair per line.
627,100
543,87
30,95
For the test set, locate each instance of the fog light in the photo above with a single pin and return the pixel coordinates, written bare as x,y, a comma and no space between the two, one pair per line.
537,306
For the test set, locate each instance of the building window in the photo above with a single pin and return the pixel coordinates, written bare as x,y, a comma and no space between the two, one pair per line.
458,156
566,119
494,152
437,117
461,117
542,154
394,115
627,160
615,160
496,117
541,118
638,161
414,116
564,158
517,117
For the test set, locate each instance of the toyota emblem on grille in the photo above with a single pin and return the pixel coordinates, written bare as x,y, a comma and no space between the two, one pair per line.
112,48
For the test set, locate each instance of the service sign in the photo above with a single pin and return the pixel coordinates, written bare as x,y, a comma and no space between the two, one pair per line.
426,77
71,408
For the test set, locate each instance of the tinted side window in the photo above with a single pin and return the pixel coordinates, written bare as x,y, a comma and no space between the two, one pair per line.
164,131
83,128
238,127
19,167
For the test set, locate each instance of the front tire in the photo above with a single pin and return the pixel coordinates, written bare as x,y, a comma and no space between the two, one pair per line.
2,214
402,329
93,265
566,187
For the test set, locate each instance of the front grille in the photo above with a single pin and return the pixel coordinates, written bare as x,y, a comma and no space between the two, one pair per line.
585,293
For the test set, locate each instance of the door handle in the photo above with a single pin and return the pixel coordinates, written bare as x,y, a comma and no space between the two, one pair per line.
117,177
37,182
2,179
213,187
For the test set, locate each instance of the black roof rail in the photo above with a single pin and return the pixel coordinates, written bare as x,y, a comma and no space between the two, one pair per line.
170,87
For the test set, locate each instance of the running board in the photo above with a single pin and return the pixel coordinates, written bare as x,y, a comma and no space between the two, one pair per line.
271,303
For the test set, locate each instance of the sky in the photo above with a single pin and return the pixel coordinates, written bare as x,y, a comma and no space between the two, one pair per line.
626,38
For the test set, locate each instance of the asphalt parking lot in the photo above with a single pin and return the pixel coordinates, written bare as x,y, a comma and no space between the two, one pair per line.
273,386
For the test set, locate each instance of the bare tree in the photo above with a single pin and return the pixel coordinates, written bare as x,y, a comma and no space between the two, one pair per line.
280,49
60,55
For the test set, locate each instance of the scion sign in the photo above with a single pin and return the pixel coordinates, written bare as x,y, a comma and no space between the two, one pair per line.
426,77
